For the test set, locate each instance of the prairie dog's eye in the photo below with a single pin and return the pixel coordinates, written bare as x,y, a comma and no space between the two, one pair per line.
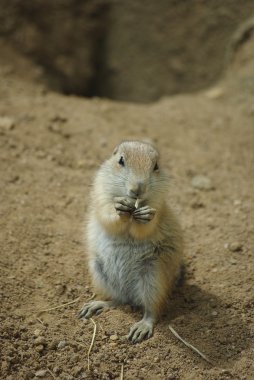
156,167
121,161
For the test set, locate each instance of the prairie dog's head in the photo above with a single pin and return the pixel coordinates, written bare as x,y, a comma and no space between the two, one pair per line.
134,171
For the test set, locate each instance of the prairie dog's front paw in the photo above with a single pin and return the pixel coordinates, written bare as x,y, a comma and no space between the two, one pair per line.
124,205
91,308
144,214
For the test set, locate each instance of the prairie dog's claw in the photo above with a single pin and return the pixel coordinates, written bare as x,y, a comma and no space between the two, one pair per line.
124,205
92,308
144,214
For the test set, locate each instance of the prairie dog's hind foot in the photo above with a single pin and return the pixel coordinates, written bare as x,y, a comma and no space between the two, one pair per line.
94,308
141,330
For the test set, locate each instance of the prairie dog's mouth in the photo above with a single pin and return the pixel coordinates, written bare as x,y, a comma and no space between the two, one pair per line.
139,202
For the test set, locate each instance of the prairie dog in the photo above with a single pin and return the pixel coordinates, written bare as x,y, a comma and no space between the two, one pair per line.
134,240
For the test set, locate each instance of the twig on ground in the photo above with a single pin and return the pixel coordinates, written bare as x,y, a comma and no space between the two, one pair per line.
189,345
121,374
91,298
39,320
91,345
79,343
59,306
51,373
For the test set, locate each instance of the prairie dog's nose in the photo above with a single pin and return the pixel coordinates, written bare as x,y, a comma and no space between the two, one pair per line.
136,189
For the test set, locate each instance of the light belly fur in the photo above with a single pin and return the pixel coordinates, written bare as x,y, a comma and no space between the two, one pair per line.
122,266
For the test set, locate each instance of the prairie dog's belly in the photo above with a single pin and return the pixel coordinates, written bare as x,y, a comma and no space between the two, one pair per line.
120,263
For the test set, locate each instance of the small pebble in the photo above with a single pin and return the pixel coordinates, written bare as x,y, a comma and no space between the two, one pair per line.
39,348
39,340
41,373
56,370
54,128
6,122
67,376
214,313
226,371
53,345
197,204
5,366
41,154
77,370
113,337
113,344
235,246
14,178
201,182
214,93
62,344
103,142
59,119
37,333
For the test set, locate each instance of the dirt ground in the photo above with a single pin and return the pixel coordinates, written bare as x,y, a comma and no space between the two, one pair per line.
50,148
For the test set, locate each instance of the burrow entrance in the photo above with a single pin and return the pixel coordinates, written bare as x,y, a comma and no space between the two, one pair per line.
125,50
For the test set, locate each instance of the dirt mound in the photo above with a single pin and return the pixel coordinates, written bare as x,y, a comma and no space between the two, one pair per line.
61,37
50,147
124,50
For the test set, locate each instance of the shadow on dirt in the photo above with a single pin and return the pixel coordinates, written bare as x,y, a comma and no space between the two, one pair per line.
219,331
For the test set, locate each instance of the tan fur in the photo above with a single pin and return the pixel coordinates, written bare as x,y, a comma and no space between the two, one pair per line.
162,230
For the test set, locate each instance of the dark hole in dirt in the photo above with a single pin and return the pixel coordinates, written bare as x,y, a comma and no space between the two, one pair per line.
124,50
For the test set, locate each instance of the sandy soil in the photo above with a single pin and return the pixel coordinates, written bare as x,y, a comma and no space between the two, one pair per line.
50,148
